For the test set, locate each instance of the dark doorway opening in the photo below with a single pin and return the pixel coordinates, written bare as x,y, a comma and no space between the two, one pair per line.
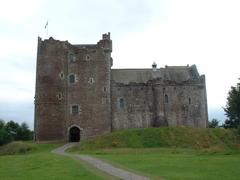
74,134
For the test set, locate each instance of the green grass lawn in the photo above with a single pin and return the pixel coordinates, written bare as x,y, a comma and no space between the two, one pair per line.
175,164
40,163
170,152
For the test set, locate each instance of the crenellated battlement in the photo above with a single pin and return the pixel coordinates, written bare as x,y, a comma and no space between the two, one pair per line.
106,36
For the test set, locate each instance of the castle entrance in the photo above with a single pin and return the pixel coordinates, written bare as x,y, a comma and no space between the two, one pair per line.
74,134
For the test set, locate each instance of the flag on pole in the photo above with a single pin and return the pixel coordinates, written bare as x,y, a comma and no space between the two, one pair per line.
46,25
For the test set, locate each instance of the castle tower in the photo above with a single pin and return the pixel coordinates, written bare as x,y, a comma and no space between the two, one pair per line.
72,98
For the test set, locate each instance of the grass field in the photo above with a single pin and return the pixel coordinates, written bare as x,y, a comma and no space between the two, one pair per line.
170,153
38,163
175,164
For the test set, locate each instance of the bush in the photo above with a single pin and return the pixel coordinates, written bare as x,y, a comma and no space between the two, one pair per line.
16,148
214,123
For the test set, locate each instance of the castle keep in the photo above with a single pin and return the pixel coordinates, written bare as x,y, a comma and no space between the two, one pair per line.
79,96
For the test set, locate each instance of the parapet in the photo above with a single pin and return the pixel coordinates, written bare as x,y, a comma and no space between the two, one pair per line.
105,43
106,36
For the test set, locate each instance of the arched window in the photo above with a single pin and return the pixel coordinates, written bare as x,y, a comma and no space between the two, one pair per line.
91,80
166,98
72,78
121,103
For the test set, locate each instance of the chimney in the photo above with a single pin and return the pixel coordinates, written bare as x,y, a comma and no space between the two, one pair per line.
154,66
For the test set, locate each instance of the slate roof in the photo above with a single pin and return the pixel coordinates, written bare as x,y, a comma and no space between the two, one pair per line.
171,73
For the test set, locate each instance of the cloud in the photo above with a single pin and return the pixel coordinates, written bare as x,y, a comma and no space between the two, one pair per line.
20,111
217,113
80,20
15,12
205,33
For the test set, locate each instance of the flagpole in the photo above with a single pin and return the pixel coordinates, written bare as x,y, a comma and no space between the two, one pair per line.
46,27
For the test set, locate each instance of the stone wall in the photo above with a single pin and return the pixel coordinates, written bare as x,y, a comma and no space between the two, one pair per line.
49,109
158,102
186,104
132,105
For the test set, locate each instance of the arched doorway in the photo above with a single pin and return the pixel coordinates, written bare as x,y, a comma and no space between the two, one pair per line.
74,134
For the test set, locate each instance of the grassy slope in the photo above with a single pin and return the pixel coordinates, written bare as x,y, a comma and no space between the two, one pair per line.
172,153
175,137
39,163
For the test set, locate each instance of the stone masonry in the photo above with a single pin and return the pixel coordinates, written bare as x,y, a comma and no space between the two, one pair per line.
79,96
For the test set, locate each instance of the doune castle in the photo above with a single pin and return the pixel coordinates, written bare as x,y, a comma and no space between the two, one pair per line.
79,96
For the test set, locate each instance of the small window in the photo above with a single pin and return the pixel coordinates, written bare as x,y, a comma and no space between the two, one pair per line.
61,75
91,81
104,89
72,78
166,98
75,109
121,103
189,101
72,57
87,57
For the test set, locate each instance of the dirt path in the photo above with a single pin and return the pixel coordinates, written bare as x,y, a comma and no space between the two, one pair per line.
101,165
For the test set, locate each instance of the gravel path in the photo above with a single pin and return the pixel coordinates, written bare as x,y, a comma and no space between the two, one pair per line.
99,164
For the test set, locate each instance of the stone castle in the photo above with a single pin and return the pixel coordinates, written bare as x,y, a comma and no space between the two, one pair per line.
79,96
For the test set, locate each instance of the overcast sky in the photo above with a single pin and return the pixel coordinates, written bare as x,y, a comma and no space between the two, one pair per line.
169,32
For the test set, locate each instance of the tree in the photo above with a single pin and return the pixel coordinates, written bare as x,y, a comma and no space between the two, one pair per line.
5,137
214,123
2,124
15,131
23,132
232,108
12,128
